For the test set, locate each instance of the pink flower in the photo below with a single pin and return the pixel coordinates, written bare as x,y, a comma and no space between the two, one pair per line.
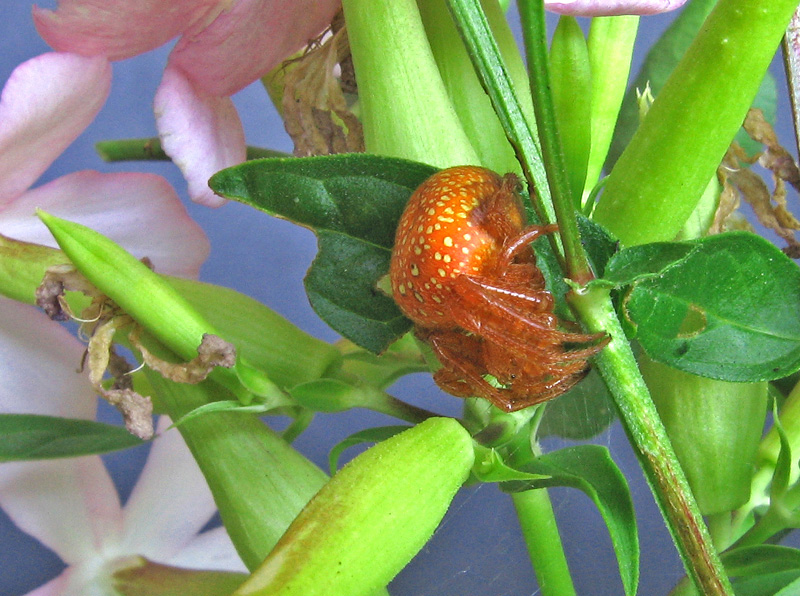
71,505
224,46
598,8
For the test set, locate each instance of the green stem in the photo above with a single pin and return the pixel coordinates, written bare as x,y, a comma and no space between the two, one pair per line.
534,30
538,523
150,150
485,55
791,65
617,365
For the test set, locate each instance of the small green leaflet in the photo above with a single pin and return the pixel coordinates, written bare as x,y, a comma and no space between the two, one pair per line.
25,437
352,202
725,306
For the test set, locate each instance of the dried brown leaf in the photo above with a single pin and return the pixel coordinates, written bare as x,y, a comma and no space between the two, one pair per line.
213,351
315,110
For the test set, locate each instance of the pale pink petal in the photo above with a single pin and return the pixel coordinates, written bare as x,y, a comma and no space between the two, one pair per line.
119,29
139,211
202,133
46,103
210,550
599,8
70,505
39,360
245,43
171,501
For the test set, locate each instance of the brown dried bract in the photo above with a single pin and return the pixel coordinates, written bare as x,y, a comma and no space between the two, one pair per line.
315,110
739,181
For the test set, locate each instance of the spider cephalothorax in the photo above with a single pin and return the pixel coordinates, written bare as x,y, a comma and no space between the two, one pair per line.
463,271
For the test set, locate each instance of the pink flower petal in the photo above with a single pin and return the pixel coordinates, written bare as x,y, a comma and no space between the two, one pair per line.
119,29
599,8
202,133
139,211
171,501
70,506
40,359
45,105
210,550
244,44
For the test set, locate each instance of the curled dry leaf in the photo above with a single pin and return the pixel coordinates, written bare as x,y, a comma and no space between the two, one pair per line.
315,110
213,351
99,323
739,181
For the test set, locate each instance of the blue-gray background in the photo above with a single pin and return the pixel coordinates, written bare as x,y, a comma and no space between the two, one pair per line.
478,549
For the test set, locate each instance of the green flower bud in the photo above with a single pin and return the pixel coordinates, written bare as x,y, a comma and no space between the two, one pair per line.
571,84
371,518
715,428
151,301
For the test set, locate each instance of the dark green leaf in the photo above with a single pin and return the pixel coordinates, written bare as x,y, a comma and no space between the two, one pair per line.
341,286
583,412
659,63
32,437
591,469
353,203
728,310
646,260
763,570
369,435
599,244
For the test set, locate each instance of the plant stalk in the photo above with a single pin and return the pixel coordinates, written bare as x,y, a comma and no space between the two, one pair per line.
538,523
617,365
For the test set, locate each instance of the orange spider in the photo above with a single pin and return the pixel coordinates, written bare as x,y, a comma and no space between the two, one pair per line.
463,271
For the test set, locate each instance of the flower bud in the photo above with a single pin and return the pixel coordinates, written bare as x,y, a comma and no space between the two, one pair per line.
373,516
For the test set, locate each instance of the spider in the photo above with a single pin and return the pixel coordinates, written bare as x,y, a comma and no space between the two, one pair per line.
463,271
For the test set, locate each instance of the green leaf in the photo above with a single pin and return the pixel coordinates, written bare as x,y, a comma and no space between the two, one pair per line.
590,469
763,570
728,310
645,261
341,287
583,412
353,204
32,437
490,467
368,435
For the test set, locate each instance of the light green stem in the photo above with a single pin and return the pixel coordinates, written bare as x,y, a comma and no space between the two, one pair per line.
617,365
538,523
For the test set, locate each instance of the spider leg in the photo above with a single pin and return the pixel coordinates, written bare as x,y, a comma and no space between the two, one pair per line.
460,374
504,315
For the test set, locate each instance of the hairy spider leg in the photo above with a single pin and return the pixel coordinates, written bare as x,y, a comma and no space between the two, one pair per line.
507,318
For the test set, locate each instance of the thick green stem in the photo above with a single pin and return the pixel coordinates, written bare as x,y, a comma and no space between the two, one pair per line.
647,434
535,32
538,523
